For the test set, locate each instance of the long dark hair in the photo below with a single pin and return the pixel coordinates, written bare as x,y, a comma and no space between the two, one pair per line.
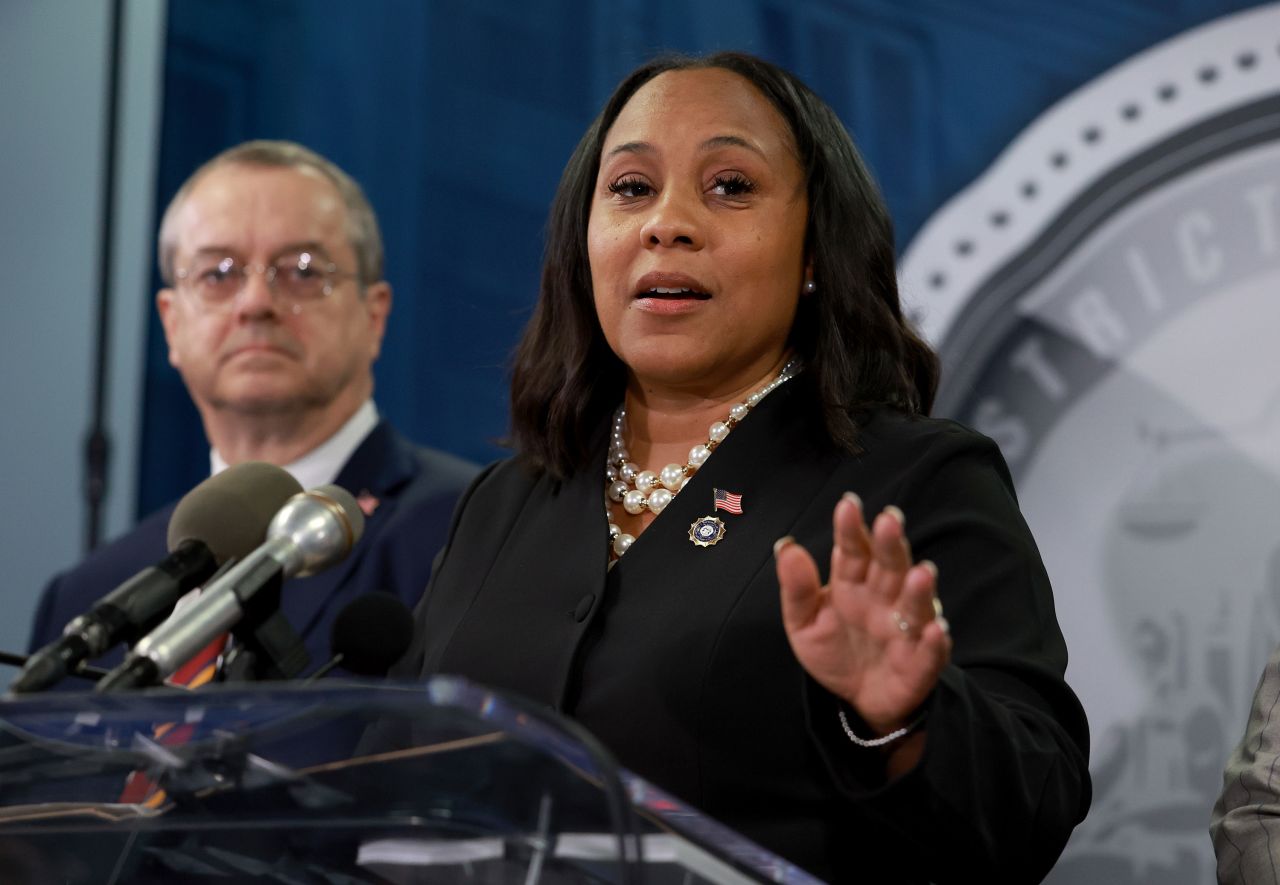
859,351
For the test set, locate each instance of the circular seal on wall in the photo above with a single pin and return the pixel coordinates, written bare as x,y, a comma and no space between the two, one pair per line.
1104,301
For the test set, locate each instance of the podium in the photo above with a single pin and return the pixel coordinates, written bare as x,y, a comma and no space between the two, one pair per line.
342,784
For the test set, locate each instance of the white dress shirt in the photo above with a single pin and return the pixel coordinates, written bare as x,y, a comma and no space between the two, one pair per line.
321,465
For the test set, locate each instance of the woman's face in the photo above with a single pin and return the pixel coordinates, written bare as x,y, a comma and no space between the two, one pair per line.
697,231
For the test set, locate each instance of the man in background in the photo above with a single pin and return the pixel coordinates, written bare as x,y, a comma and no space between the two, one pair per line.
274,312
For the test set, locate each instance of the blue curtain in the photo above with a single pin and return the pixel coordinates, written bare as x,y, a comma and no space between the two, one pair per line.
457,117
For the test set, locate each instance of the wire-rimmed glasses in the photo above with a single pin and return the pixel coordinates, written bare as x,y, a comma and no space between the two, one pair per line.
296,277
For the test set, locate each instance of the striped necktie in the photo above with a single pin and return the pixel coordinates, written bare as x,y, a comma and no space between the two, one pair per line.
199,669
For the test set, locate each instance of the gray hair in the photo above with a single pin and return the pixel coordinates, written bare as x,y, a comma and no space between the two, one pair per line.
362,224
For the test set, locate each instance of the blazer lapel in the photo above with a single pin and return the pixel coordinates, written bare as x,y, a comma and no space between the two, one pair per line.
377,469
773,459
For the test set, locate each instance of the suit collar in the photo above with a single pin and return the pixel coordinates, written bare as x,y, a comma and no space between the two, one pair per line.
383,464
380,465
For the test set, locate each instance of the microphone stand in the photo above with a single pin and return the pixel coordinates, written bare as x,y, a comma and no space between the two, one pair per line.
267,645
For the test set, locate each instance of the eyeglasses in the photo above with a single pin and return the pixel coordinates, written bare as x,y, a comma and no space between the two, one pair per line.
298,278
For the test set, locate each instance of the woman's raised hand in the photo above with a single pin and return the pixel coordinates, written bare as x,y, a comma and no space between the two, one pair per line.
874,635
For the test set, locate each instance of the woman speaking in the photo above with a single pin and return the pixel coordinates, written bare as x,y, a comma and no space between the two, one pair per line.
730,543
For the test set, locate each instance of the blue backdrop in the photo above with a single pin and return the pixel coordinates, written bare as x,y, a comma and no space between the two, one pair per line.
458,117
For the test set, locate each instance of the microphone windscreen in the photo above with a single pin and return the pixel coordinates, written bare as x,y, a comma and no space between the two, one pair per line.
230,511
371,633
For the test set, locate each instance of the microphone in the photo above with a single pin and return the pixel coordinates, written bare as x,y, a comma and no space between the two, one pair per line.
313,530
222,518
371,633
81,671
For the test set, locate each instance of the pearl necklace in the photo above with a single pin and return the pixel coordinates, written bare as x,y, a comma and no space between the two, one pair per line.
640,490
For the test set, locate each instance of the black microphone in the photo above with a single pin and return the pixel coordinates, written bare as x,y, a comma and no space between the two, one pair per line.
224,517
81,671
313,530
371,633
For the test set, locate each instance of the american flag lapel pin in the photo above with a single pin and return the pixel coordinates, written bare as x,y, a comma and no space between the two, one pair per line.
708,530
726,500
367,502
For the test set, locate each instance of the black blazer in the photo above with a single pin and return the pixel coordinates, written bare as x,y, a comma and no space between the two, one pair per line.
677,658
416,490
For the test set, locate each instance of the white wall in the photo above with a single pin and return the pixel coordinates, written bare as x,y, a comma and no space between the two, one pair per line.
53,101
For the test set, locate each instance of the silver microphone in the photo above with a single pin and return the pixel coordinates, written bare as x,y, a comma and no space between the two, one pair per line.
312,531
223,518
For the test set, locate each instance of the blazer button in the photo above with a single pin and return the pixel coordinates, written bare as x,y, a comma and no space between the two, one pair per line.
584,607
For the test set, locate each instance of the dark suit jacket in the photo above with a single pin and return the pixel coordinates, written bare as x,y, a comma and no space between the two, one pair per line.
416,488
677,659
